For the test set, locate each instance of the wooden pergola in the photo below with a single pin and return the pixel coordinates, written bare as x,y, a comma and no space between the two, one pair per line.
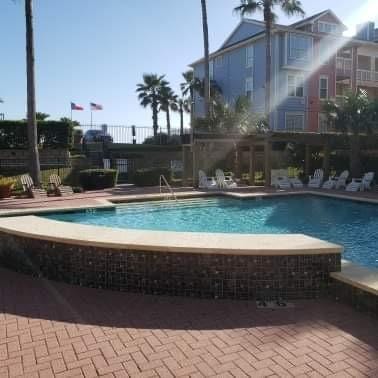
327,142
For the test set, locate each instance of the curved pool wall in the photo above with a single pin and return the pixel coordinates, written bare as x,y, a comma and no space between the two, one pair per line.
202,265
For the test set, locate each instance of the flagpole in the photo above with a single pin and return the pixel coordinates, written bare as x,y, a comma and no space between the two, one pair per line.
91,117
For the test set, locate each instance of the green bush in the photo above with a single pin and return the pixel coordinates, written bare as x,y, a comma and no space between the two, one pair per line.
150,176
53,134
91,179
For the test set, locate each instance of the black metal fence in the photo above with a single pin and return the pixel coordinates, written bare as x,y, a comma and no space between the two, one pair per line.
134,134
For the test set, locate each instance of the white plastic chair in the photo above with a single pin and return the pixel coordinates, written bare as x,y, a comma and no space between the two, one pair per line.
205,182
296,182
223,181
316,180
361,184
275,174
341,180
283,182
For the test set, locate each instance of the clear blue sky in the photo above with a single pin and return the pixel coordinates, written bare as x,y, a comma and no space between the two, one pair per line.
96,50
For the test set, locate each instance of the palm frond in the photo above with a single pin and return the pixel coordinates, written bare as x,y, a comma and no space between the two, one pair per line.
292,7
248,7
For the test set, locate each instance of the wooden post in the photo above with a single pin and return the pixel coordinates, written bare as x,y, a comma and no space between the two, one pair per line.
267,158
326,153
237,162
354,69
307,161
252,165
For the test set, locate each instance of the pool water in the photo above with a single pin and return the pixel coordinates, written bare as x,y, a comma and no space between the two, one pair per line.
351,224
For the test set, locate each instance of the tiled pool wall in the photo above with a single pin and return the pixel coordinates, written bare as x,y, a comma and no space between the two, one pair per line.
171,273
362,300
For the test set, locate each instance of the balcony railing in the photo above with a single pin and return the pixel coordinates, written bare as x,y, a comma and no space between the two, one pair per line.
344,66
365,75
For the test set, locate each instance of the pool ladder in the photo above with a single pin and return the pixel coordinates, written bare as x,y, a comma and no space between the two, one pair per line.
164,183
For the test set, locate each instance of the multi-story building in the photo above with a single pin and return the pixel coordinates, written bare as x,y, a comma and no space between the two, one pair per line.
311,62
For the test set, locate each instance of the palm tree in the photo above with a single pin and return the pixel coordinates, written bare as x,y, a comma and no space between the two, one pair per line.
148,95
166,99
356,115
289,7
35,169
207,62
181,105
188,87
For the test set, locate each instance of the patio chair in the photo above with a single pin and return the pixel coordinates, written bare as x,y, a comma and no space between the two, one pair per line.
29,188
205,182
361,184
296,182
60,190
283,182
106,163
275,174
223,181
340,182
316,180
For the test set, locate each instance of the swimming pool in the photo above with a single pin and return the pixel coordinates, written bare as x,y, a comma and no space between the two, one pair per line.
351,224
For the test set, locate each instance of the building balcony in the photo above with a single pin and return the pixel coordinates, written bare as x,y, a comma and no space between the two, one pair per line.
368,77
343,68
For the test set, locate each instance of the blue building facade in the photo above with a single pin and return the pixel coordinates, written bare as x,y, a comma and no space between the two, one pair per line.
299,77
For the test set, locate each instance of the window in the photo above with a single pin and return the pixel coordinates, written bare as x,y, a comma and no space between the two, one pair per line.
211,69
219,61
323,87
300,47
295,85
327,27
249,56
294,121
323,123
249,87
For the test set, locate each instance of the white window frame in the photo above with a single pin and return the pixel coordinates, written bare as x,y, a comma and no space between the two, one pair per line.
249,87
298,83
322,77
334,28
307,52
295,114
249,56
211,69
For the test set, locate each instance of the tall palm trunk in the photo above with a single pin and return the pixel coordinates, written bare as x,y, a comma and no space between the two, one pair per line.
168,115
207,63
35,170
155,124
181,110
268,54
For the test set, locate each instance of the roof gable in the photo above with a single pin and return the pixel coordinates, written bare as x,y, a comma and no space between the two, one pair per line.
326,15
245,29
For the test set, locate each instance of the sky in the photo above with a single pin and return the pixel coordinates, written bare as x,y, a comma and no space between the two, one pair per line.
97,50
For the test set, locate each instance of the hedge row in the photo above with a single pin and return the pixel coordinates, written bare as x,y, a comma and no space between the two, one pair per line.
92,179
53,134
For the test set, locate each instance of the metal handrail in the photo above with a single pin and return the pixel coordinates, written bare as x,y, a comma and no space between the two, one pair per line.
163,181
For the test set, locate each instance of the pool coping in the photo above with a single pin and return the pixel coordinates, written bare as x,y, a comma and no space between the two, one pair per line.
34,227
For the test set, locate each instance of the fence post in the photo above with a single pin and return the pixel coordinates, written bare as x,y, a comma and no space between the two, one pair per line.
133,134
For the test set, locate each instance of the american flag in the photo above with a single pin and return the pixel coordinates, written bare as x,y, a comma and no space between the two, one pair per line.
76,106
1,100
95,106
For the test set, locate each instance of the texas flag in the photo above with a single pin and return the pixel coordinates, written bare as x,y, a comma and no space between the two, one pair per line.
76,106
95,106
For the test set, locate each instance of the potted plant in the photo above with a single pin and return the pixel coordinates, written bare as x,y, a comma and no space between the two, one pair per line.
6,184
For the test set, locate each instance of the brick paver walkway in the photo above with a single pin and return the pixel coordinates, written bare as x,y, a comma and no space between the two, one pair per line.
51,329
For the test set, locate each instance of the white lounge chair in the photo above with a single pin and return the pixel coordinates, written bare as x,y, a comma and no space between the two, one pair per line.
205,182
275,174
361,184
341,180
316,180
296,182
330,183
106,163
283,182
223,181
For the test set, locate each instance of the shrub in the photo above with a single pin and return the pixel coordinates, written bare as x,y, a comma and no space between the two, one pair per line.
91,179
53,134
150,176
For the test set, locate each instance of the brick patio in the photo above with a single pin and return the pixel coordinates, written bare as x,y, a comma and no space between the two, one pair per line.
51,329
